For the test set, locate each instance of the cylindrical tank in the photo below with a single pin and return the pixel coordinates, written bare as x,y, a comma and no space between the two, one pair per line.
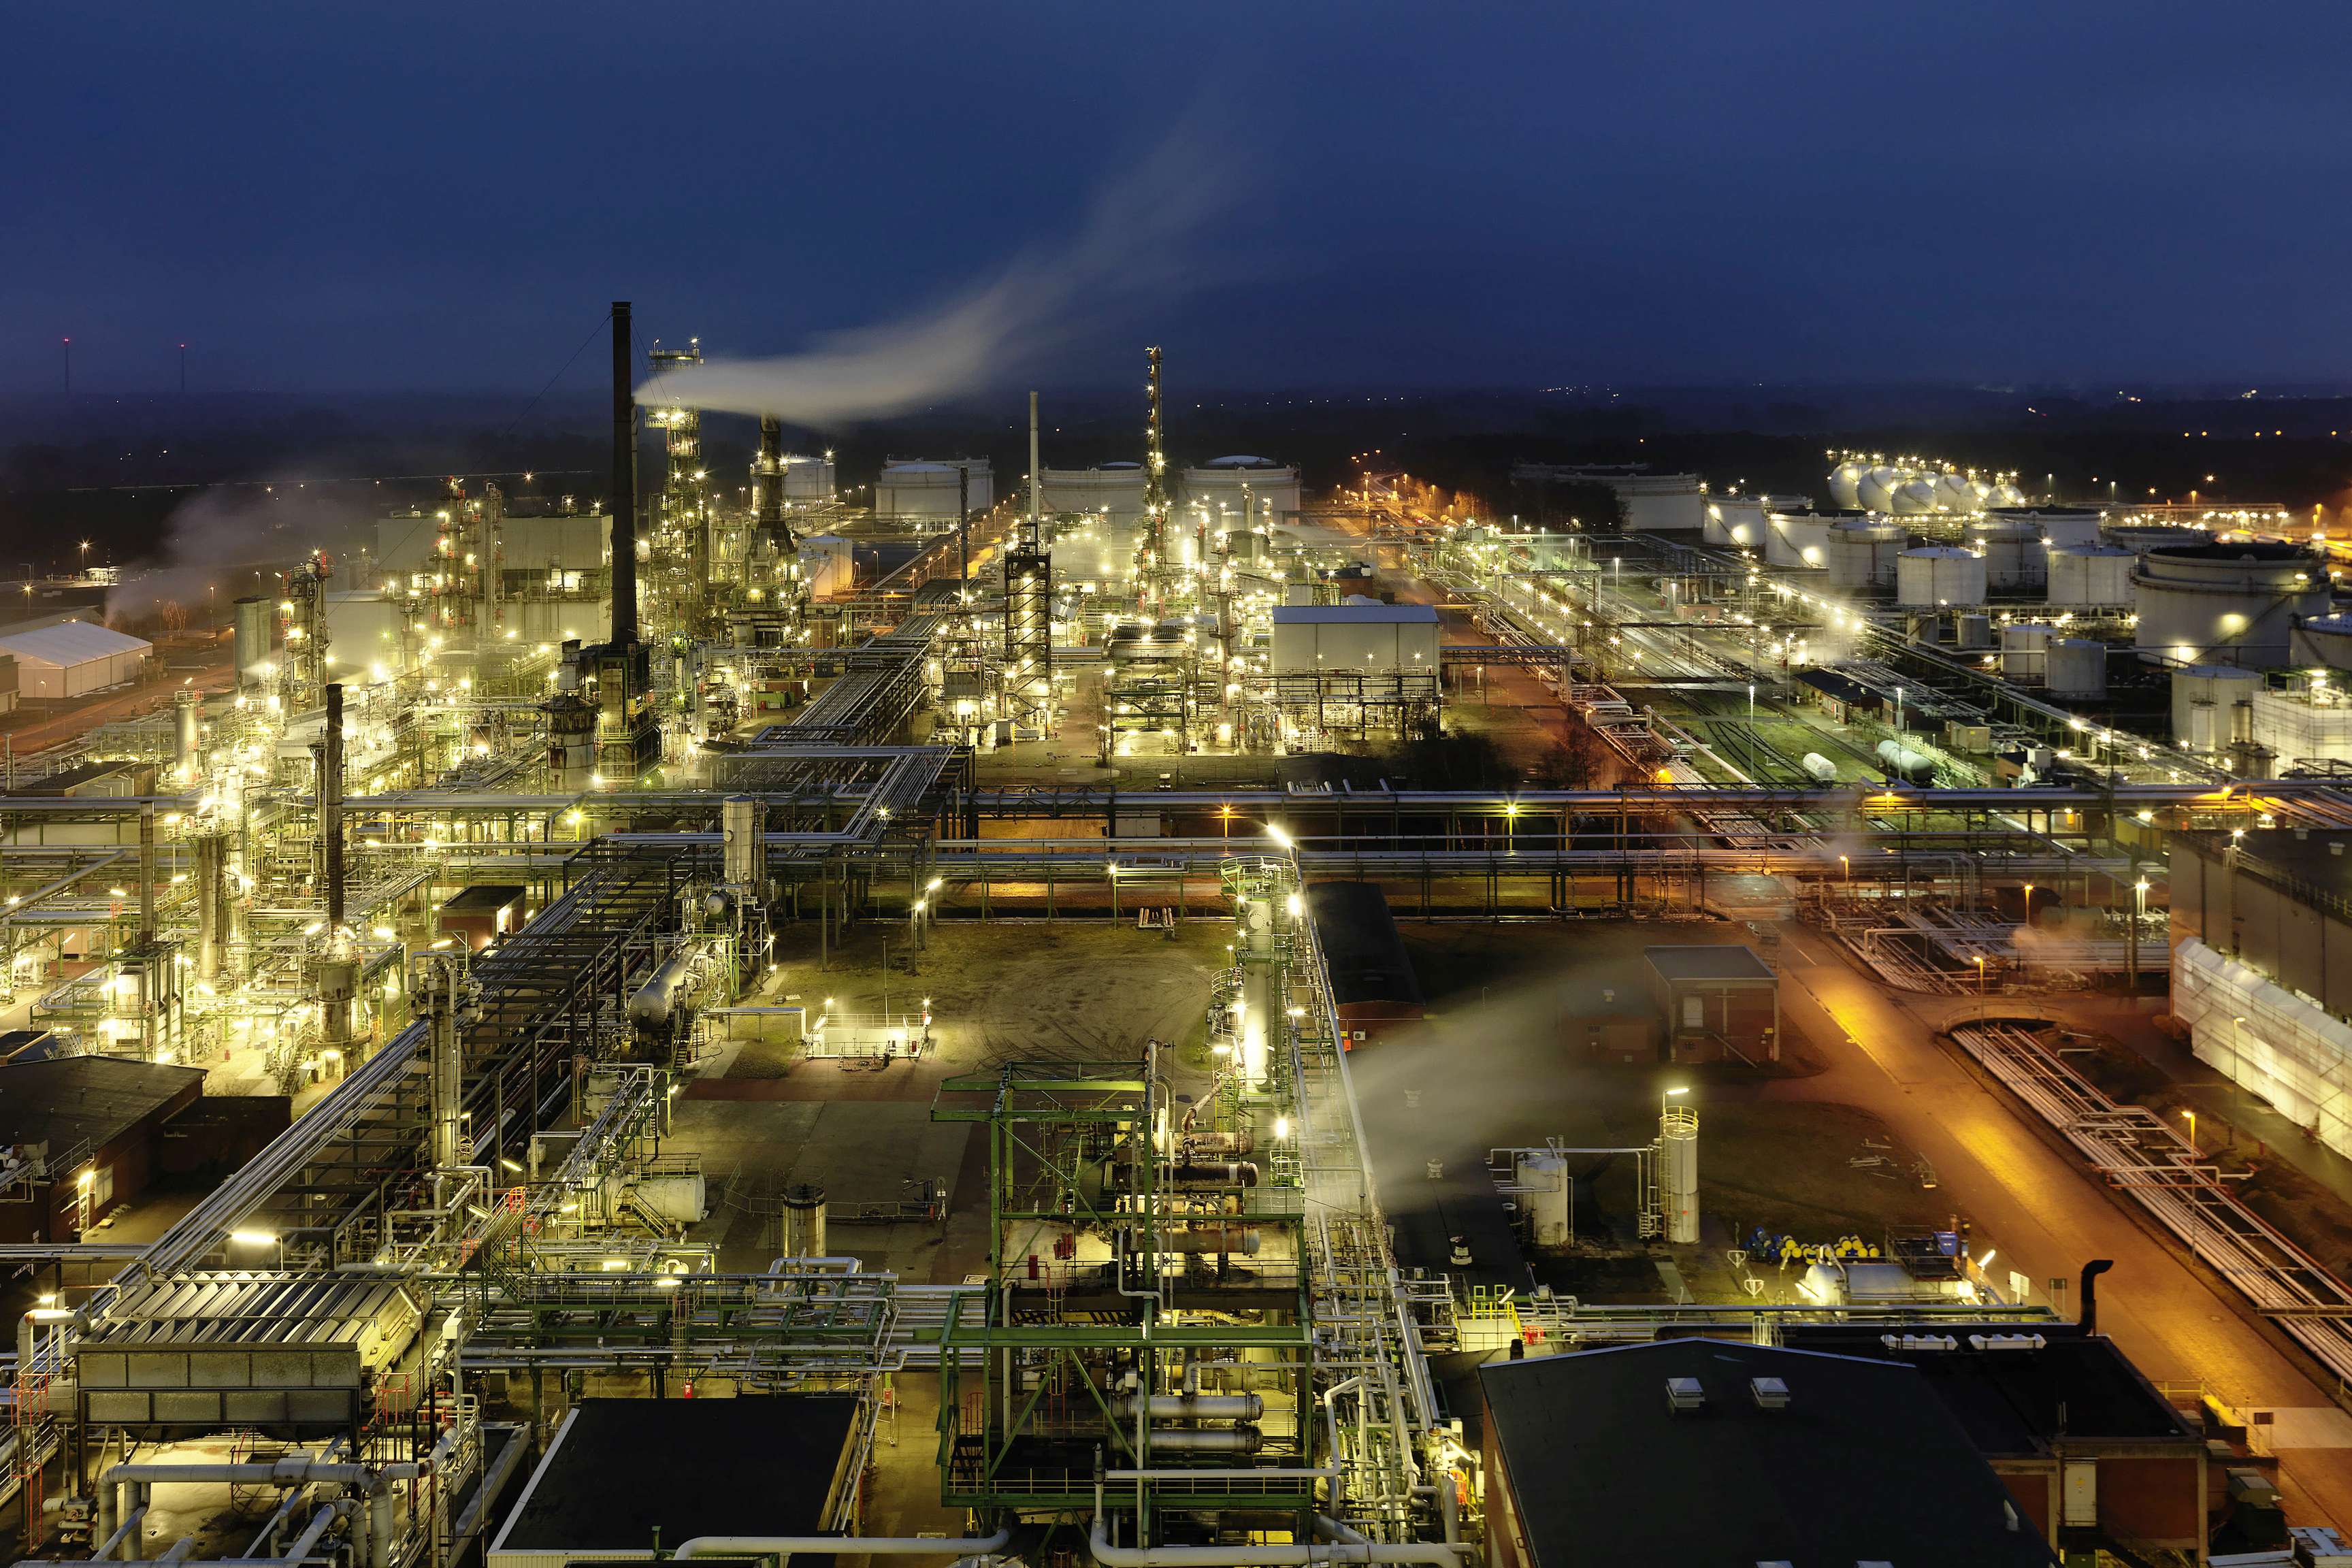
1905,764
1204,1439
2070,527
2207,700
1208,1238
1955,493
2024,652
2326,641
2014,562
1797,539
2139,537
1190,1406
2078,667
256,628
1845,485
1938,575
2090,576
829,565
1543,1189
1876,490
1862,553
1913,497
188,707
2226,604
1972,632
744,846
1736,521
1678,1172
804,1221
1818,768
2006,494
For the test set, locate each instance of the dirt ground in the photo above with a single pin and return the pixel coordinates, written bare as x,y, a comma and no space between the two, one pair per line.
763,1117
1489,1071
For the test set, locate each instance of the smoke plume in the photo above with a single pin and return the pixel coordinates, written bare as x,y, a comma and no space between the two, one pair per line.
1135,242
219,539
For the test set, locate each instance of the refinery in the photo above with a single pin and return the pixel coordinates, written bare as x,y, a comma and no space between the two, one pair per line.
969,1019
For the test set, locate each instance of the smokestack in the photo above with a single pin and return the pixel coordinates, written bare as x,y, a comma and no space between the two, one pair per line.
331,805
769,474
2089,1314
1034,475
624,485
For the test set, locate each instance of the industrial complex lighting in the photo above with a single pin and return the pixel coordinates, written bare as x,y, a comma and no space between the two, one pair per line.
253,1237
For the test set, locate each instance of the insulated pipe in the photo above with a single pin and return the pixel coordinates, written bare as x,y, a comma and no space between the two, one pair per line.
624,485
285,1472
1192,1407
1261,1556
1205,1440
842,1545
146,874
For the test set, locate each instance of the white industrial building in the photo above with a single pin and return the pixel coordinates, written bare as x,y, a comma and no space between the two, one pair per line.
932,490
1218,484
1371,640
1114,490
72,658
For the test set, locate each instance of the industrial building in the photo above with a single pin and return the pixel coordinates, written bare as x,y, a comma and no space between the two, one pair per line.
73,658
933,491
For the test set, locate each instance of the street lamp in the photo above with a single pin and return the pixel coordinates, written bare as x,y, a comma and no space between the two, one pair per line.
261,1238
2192,1132
2028,905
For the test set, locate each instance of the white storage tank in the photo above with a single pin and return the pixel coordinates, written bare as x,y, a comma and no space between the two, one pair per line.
930,490
1114,490
2014,562
1876,490
828,565
1938,575
2006,494
2212,704
2025,651
1543,1189
1273,489
2226,604
1798,539
2139,537
1845,485
2322,640
1364,640
1734,521
1819,768
1954,492
2091,576
809,478
1915,497
2078,667
2070,527
1862,551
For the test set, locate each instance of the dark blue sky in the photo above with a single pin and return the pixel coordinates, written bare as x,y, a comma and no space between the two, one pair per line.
414,196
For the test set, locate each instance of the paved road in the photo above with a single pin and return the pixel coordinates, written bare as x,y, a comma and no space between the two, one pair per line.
2048,1215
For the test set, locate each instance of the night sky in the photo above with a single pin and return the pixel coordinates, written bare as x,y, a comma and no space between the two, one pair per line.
356,197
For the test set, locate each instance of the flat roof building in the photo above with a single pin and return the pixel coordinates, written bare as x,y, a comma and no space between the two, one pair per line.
73,658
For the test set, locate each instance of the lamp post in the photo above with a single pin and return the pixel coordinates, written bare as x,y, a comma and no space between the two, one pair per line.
2192,1131
2029,906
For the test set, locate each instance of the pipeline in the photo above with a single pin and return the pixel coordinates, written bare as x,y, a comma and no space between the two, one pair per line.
843,1545
1191,1406
1263,1556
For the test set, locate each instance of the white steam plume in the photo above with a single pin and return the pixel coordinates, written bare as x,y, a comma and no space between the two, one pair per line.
217,538
1135,242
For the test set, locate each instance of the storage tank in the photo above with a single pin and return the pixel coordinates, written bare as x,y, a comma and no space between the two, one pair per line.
1798,539
1819,768
2070,526
2226,604
2025,652
1845,485
931,490
2014,562
828,565
2325,641
255,635
1939,575
1862,553
1954,492
2006,494
1913,497
2212,704
2090,576
2078,667
2139,537
1734,521
1678,1172
1876,490
1543,1189
1900,760
805,1213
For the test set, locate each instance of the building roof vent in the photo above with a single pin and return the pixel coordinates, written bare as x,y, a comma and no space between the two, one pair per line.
1685,1393
1771,1392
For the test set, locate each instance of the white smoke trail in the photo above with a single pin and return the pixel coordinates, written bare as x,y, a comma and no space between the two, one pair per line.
1135,242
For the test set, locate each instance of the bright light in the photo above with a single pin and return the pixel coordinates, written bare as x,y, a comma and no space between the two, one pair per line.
253,1237
1678,1089
1281,839
1282,1127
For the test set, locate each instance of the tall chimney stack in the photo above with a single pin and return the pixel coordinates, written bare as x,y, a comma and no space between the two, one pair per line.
331,806
769,474
624,484
1037,478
